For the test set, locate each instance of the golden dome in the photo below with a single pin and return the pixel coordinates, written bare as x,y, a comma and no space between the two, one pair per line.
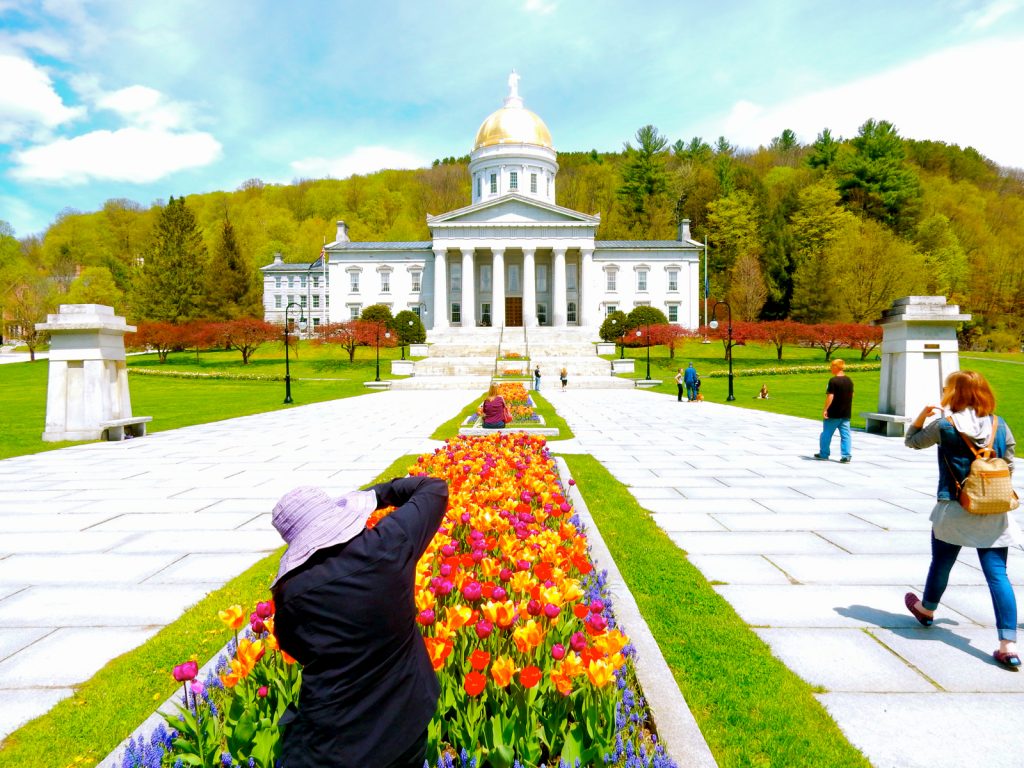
513,125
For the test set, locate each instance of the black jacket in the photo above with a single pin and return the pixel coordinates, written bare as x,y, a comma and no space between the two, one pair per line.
348,615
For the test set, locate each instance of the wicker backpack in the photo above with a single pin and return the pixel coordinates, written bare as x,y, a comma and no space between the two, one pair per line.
987,489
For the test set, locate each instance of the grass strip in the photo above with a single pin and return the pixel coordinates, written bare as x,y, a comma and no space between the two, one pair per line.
104,710
752,710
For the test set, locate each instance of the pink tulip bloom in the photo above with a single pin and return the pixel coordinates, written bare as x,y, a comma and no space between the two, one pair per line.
558,651
187,671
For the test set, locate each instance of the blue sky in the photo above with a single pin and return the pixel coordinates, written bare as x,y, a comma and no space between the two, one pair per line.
104,99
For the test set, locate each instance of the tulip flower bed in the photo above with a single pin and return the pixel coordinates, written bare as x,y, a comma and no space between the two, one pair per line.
518,401
534,672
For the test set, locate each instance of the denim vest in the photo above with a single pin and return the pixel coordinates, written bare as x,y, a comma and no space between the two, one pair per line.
954,453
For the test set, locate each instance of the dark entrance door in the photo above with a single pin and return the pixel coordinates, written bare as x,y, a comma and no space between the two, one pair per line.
514,311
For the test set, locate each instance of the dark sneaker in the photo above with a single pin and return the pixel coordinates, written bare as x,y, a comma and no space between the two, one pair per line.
846,460
819,457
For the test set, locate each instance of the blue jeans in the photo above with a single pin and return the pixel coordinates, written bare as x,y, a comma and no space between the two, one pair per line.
828,428
691,391
536,383
993,563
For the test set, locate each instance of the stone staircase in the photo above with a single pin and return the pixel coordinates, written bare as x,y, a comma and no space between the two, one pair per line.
466,358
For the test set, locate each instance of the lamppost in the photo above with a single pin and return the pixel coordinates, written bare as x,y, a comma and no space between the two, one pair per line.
714,325
648,334
622,340
387,335
287,369
403,340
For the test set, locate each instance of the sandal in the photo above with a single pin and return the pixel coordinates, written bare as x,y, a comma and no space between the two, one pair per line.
1008,660
910,600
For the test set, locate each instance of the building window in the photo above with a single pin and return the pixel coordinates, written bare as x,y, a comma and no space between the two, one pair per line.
456,312
385,282
570,277
456,278
316,322
513,278
673,313
494,183
611,275
673,279
549,186
277,301
417,278
353,282
533,183
316,302
416,310
570,312
291,281
354,310
302,301
479,186
485,314
513,180
316,281
291,299
277,281
641,280
302,281
609,308
542,314
542,278
485,277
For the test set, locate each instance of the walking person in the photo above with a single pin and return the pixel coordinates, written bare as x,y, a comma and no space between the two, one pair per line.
564,376
836,415
690,379
345,611
968,406
536,378
679,386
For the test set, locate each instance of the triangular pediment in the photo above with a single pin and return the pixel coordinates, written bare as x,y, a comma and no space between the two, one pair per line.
512,210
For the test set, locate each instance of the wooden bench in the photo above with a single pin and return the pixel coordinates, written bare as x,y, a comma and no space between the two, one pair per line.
887,424
119,429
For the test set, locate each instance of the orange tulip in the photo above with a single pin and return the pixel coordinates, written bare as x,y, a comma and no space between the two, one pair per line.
458,616
234,617
438,651
571,665
562,682
600,673
529,677
502,671
528,636
479,659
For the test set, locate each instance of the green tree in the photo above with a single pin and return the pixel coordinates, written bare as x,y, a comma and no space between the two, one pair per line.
824,151
644,316
409,328
733,231
169,287
875,180
615,324
232,291
95,285
378,313
747,289
643,194
945,259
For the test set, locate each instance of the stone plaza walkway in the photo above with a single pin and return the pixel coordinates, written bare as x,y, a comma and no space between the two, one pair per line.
103,544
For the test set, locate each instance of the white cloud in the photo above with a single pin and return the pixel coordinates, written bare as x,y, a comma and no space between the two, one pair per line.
361,160
28,100
958,95
144,106
137,155
542,7
985,17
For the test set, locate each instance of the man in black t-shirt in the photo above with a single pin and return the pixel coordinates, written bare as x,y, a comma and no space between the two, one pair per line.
836,415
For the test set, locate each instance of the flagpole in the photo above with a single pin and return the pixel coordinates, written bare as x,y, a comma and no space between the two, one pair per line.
705,279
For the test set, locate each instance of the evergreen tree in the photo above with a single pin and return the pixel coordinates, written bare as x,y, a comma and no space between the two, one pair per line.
230,283
824,151
168,287
643,194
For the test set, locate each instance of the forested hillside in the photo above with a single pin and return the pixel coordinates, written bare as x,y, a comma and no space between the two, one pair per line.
832,231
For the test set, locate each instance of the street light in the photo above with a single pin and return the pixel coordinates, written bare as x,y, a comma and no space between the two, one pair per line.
622,340
403,341
714,325
648,333
287,369
387,335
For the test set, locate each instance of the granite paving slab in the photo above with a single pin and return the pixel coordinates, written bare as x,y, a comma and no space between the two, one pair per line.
745,543
69,655
895,569
739,569
209,568
20,705
780,521
13,640
77,568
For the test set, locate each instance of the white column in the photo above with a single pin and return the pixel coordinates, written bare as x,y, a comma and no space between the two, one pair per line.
588,296
529,289
440,289
498,288
468,289
558,300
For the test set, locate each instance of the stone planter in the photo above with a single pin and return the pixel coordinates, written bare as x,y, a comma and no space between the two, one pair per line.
623,366
605,347
418,350
403,368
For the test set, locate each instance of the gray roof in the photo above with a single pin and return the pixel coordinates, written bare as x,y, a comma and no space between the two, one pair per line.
613,244
290,267
419,245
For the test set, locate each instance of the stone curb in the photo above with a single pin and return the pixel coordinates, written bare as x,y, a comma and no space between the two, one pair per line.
677,729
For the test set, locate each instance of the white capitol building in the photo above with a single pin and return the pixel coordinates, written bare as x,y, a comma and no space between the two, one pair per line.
511,258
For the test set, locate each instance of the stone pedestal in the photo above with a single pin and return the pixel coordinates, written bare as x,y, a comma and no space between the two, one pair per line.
403,368
625,365
88,381
418,350
919,350
606,348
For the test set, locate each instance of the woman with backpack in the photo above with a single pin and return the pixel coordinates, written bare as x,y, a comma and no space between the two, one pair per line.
967,425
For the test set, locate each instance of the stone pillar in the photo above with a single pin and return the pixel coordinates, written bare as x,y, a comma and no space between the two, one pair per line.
468,289
588,302
88,381
529,288
919,350
498,288
440,289
558,300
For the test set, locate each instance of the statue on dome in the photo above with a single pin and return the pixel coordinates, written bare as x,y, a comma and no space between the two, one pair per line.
513,85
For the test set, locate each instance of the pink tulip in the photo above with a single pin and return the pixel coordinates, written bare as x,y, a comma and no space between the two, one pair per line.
484,628
578,641
197,687
596,606
265,610
571,481
558,651
187,671
426,618
499,594
551,611
472,591
448,550
262,691
533,608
